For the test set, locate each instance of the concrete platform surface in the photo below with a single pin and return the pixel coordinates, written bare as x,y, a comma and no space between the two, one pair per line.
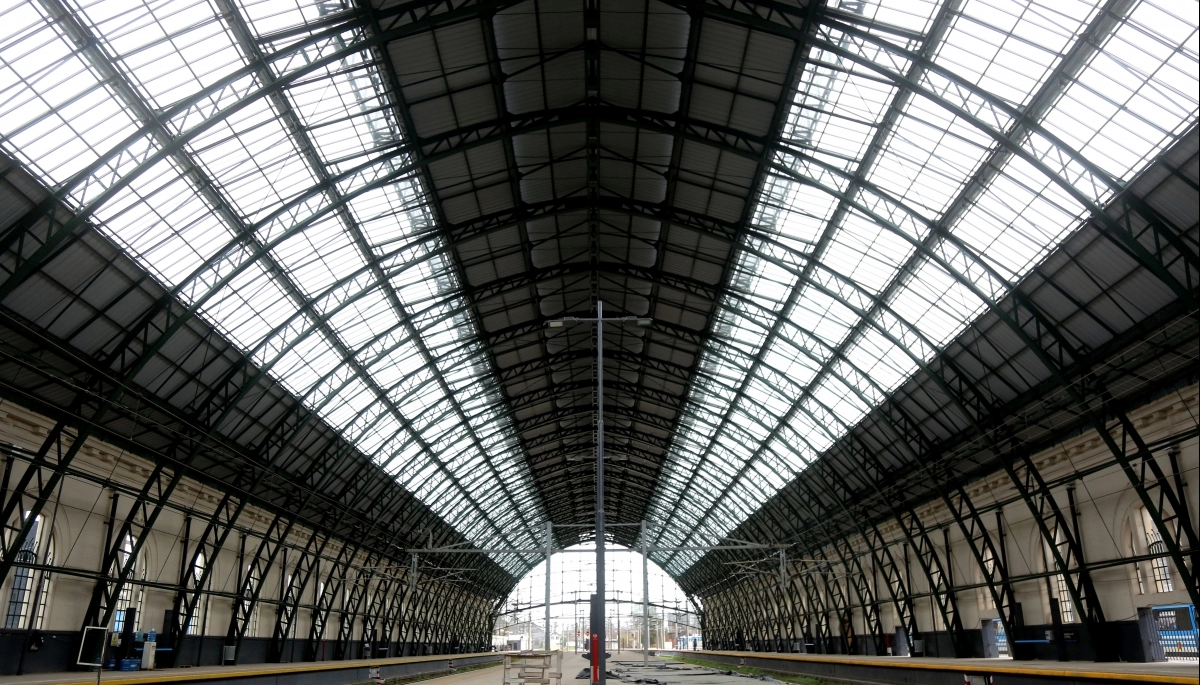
261,673
834,665
628,668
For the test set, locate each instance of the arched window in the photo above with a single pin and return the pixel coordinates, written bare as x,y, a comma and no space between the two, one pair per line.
30,587
252,581
196,619
319,614
1160,568
1137,566
1061,592
989,568
129,597
43,594
285,616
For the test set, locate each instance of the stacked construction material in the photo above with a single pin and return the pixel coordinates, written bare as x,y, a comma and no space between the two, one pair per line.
533,668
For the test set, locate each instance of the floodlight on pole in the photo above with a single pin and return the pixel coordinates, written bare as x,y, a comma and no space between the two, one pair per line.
599,641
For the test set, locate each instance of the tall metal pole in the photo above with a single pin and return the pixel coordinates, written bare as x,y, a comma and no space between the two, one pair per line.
549,551
598,638
786,625
603,642
645,595
410,598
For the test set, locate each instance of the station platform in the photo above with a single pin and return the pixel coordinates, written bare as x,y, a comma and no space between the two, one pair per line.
300,673
889,670
628,667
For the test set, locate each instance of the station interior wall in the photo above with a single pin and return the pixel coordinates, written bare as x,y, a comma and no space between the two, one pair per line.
78,519
1111,527
450,618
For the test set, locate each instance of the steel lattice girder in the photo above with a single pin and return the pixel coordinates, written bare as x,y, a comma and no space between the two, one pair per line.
939,459
746,148
282,602
253,475
702,571
1182,335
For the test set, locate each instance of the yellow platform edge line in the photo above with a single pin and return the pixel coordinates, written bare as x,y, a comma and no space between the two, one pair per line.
1000,667
251,672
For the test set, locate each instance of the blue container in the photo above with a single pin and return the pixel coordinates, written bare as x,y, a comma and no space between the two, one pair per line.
131,664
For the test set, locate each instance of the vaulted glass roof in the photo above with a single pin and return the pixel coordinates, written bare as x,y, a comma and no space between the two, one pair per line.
382,202
278,219
930,158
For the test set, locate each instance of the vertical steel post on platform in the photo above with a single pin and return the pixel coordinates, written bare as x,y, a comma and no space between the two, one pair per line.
549,551
787,609
598,659
599,638
645,595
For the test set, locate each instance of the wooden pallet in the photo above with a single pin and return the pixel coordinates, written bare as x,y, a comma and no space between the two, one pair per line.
533,668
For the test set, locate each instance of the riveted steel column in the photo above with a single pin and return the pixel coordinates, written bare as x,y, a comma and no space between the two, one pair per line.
645,594
549,551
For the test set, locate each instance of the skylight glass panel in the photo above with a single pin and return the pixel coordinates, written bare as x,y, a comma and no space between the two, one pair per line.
169,49
304,363
862,252
55,112
880,360
915,15
882,293
1010,48
928,157
162,219
291,217
1136,93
